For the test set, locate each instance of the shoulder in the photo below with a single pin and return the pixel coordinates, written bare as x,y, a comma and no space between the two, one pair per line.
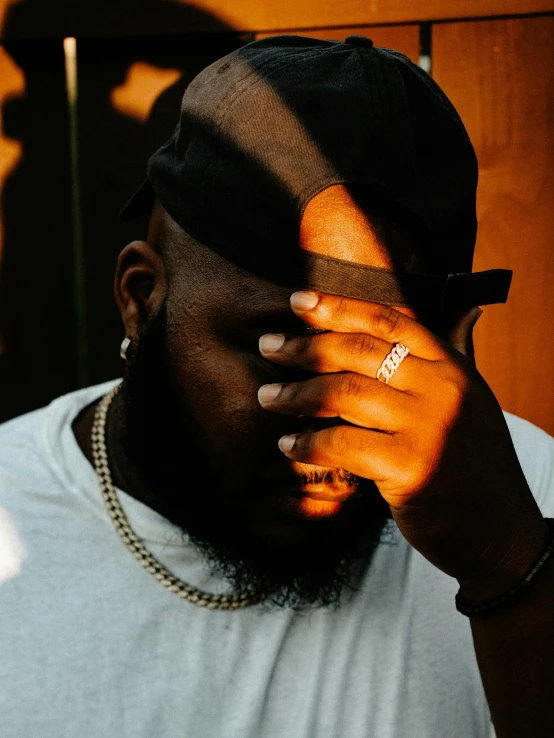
28,443
23,428
535,451
20,444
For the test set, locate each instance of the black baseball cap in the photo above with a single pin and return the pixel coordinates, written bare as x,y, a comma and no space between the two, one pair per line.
272,124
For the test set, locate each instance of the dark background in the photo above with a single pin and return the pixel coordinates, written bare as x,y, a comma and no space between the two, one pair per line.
134,61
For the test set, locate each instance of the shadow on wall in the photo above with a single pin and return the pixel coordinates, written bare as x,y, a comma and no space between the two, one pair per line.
118,132
122,119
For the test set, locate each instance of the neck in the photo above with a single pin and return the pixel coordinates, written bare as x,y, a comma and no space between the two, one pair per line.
124,475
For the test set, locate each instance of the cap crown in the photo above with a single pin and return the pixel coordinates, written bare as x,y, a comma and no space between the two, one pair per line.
269,126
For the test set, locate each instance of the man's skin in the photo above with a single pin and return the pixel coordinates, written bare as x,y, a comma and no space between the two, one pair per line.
434,440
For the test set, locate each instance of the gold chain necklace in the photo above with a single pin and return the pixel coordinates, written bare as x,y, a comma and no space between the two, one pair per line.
131,540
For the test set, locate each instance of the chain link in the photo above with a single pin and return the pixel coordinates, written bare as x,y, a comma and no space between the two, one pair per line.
130,539
392,361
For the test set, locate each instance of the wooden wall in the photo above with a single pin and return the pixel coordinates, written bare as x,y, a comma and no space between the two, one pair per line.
494,59
500,76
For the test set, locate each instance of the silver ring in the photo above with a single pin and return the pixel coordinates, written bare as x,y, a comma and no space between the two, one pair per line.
392,361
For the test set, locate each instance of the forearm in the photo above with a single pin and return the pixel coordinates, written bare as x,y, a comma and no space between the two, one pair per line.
515,653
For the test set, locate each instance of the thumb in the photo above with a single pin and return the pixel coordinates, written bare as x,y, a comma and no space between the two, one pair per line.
461,333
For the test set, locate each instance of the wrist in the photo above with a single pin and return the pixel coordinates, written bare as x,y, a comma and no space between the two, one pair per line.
510,563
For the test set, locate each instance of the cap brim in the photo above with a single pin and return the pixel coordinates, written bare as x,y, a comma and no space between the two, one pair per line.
140,203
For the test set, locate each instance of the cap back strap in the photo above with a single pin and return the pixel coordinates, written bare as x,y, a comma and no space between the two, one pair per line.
451,293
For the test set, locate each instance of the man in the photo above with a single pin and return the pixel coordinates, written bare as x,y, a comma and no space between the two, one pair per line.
302,458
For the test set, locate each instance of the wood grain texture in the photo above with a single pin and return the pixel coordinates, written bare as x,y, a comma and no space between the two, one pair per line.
500,76
281,14
40,19
401,38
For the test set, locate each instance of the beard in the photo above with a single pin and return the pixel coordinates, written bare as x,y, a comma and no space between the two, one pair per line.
213,493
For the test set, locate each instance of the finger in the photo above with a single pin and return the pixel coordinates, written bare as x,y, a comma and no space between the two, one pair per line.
366,453
346,315
332,352
350,396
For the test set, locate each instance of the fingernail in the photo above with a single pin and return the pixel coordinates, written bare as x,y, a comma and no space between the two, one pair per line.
286,443
268,392
304,300
271,342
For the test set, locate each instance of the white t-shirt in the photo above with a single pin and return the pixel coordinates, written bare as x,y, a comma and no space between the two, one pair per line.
92,646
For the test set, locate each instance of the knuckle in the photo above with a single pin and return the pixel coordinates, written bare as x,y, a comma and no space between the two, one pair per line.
338,440
419,473
303,445
306,351
349,385
302,344
362,347
300,348
419,465
291,394
340,308
310,398
312,354
456,388
388,322
365,445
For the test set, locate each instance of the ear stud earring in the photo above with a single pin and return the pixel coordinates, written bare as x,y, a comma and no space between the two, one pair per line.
123,349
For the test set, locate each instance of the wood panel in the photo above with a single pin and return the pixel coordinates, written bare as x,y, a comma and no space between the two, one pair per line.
401,38
37,18
500,76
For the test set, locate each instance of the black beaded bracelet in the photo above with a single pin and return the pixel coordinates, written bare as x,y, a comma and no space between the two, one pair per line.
488,608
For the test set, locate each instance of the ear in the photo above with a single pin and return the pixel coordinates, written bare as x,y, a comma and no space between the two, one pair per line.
139,286
461,334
